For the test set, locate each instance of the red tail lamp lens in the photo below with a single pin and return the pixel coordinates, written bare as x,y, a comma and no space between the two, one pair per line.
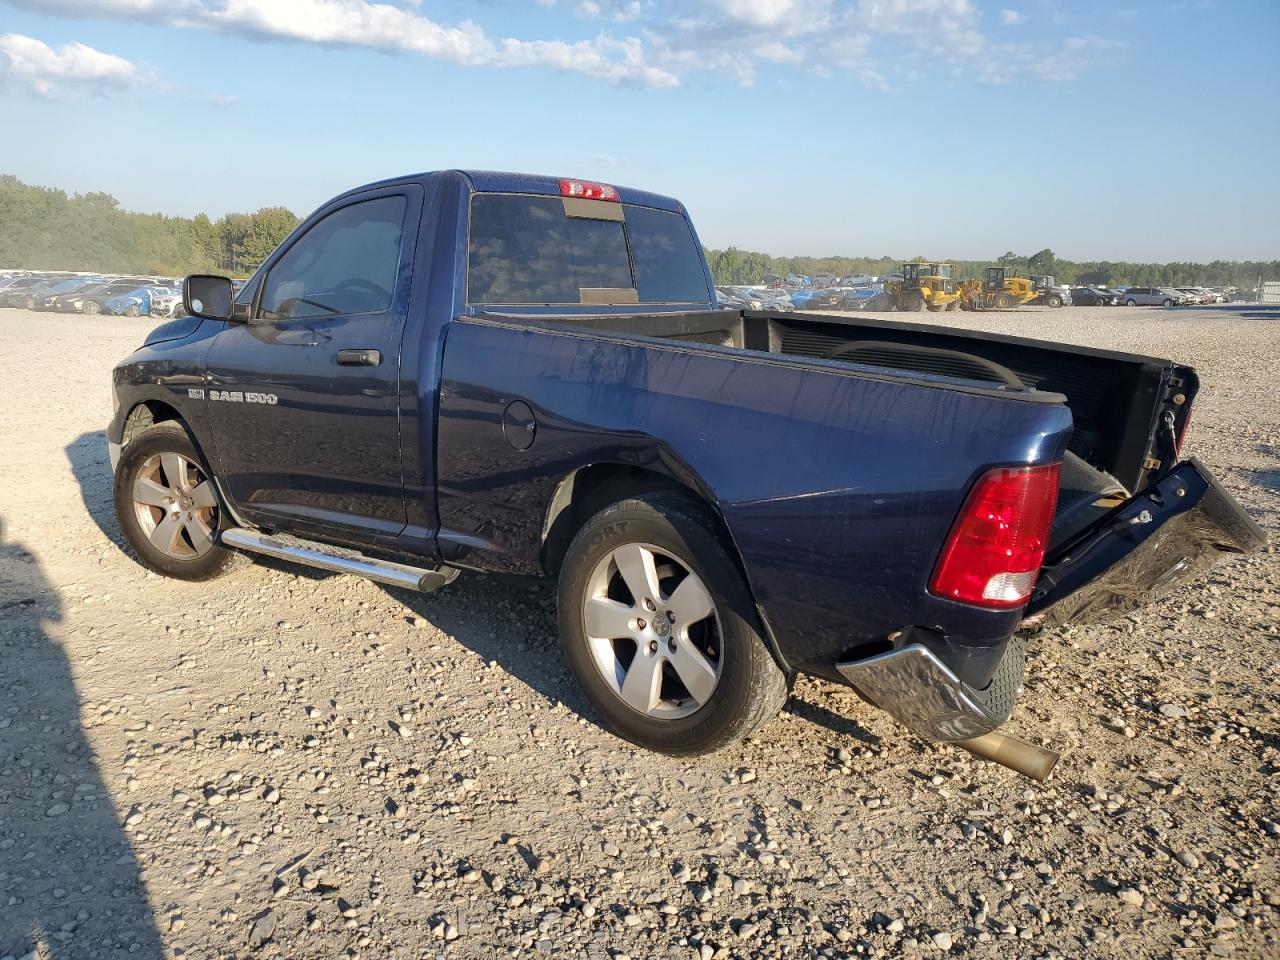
996,547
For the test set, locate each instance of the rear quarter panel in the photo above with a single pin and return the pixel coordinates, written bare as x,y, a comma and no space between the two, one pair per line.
837,487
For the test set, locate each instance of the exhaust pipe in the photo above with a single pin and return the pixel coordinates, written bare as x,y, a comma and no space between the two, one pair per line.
1025,758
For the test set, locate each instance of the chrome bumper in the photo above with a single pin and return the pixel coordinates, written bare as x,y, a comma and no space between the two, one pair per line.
926,696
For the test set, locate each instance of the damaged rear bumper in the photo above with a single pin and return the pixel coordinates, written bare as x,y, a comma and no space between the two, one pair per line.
925,695
1166,535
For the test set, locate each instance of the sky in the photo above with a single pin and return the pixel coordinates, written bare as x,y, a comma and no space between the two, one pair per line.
1144,130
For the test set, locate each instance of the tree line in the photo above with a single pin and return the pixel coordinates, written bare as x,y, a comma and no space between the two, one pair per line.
47,229
42,228
734,266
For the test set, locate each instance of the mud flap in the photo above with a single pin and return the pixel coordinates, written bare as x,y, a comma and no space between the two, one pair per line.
1166,535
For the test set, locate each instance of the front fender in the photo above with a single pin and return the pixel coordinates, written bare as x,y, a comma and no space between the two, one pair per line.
168,371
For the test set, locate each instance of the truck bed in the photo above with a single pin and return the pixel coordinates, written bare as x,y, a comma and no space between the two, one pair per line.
1116,399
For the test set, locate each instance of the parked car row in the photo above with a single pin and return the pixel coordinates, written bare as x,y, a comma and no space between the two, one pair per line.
80,293
822,292
1148,296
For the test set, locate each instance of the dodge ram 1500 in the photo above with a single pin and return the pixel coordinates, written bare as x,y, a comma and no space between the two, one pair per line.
473,370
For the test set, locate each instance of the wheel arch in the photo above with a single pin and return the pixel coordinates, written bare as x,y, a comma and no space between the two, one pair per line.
588,489
145,413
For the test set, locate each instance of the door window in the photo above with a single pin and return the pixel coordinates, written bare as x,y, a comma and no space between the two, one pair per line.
344,264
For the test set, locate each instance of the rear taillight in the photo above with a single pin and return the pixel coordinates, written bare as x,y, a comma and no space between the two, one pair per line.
588,191
996,546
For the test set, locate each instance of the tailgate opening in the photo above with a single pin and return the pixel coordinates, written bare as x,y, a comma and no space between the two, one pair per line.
1105,561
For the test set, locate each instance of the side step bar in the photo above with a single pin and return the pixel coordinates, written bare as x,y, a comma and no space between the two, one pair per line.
338,560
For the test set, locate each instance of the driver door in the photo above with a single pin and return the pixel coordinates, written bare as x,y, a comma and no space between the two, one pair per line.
302,399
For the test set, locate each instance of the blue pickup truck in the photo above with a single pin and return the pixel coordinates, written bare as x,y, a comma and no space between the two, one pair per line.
461,371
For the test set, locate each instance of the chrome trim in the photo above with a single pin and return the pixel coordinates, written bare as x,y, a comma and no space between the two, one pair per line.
921,692
317,555
113,453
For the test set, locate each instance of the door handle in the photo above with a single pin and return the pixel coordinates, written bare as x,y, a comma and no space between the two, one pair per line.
359,358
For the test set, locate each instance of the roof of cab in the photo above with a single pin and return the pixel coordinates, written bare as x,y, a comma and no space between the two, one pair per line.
493,181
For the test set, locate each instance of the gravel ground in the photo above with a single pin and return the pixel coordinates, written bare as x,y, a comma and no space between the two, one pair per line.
281,763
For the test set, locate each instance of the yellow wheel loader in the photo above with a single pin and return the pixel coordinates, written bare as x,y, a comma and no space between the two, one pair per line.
923,286
996,291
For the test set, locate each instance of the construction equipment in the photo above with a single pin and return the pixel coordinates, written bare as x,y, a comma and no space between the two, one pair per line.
996,291
923,286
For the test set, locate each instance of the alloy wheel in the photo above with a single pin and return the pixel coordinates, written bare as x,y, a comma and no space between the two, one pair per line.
653,631
175,505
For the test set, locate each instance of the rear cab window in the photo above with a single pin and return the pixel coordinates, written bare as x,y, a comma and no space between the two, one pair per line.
529,250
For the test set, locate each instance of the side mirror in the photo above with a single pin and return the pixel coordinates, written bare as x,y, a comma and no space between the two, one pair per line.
208,296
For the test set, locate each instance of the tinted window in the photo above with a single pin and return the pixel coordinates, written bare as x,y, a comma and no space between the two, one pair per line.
668,263
528,250
346,263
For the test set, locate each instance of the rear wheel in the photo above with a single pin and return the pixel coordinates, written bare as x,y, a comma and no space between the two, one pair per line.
1005,301
167,507
915,302
659,628
90,307
1168,303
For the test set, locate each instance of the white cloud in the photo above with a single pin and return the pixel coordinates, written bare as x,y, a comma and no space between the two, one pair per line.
646,43
49,72
795,15
223,101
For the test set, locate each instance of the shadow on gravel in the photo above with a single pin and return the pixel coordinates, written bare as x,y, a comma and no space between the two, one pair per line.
1265,478
508,620
87,455
71,885
531,653
822,717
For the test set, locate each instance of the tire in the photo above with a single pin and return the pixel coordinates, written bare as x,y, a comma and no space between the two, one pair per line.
91,307
669,544
915,303
1131,302
1005,301
131,311
1053,301
1168,303
163,462
29,303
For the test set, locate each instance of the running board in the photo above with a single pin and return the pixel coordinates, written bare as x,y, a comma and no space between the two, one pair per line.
338,560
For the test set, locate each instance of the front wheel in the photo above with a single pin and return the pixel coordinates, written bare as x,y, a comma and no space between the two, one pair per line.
167,507
1053,301
91,307
1168,303
1131,303
659,628
1005,301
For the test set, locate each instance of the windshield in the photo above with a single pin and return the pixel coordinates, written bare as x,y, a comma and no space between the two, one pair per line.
528,250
